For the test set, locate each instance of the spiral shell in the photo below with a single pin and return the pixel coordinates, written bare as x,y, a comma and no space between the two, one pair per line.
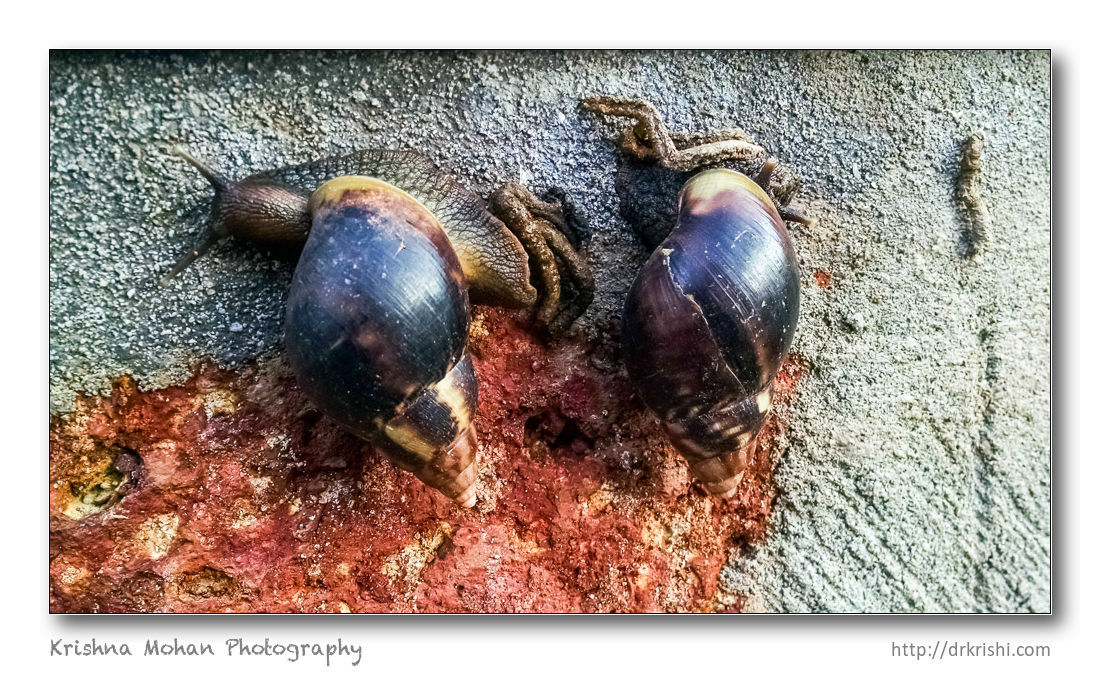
708,320
376,326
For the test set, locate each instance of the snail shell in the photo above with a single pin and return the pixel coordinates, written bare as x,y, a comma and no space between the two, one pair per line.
376,326
708,320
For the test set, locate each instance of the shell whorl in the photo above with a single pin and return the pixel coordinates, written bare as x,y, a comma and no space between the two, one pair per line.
376,326
708,320
434,437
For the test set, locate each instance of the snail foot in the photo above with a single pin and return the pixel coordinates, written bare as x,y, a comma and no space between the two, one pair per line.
551,233
650,139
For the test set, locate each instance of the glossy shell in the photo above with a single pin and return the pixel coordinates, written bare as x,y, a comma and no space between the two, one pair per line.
708,320
376,323
434,437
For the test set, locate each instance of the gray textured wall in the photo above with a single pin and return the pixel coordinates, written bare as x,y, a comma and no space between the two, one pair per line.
915,474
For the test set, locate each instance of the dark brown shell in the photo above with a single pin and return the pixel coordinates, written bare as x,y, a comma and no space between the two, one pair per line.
376,323
708,320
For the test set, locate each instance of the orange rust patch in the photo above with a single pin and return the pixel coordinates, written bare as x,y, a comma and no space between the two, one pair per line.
823,278
583,505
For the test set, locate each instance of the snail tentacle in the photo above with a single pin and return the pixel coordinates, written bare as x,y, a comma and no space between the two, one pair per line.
763,176
780,188
212,232
792,215
207,239
216,179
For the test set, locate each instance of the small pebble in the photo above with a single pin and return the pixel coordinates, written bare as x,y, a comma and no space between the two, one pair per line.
855,322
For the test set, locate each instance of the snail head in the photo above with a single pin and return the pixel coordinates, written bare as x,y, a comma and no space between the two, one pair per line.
257,208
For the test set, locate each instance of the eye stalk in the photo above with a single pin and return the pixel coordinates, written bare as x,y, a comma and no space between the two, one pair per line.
259,209
210,234
216,179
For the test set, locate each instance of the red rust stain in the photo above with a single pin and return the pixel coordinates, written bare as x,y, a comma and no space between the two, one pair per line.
823,278
243,500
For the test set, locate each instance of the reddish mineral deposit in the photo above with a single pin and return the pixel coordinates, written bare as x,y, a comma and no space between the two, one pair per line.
231,494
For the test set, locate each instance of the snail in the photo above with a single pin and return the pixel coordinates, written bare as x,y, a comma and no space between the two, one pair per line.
378,312
712,312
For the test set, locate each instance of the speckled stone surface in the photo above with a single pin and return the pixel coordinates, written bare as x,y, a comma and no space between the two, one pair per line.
914,471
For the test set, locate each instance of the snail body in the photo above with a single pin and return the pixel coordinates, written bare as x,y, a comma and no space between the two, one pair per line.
712,312
269,208
379,306
708,320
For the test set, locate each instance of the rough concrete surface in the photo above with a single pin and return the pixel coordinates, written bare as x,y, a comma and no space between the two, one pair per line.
914,472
